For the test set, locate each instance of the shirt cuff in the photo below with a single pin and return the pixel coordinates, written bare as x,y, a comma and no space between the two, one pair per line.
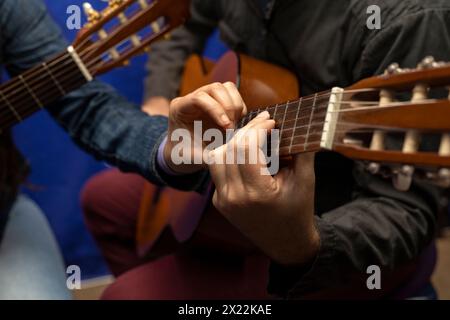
162,162
295,282
199,181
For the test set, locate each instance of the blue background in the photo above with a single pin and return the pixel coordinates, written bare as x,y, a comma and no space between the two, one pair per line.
60,168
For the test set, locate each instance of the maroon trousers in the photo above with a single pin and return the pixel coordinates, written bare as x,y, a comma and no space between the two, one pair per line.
110,202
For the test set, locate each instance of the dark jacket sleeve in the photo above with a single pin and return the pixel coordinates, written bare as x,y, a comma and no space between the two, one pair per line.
381,226
97,118
167,58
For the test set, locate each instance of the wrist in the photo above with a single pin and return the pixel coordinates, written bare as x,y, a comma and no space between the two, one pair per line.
302,252
157,106
177,169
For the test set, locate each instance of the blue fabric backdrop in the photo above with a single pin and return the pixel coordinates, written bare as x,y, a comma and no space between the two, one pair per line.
60,168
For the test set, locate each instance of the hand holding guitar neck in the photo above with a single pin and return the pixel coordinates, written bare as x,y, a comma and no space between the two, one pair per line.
214,106
273,212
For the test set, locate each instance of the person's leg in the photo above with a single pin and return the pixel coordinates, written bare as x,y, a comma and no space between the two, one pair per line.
31,266
110,203
193,277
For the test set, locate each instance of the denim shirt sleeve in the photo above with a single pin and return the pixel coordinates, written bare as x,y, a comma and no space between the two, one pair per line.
95,116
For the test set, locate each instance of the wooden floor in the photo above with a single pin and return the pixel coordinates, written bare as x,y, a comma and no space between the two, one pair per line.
93,289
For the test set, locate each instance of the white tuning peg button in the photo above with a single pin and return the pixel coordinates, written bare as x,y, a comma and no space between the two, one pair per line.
444,178
402,179
87,7
90,12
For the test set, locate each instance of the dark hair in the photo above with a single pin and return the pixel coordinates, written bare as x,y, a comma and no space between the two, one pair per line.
13,170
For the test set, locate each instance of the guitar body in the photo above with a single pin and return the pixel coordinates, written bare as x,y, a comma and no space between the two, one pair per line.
168,217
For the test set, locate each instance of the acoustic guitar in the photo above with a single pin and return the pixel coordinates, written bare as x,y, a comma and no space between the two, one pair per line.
110,38
354,122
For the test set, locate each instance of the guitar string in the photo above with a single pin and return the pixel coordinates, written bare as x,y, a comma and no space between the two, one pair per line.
162,30
7,122
320,123
319,107
287,106
84,54
19,102
93,63
26,99
100,59
86,50
38,71
346,109
337,131
53,90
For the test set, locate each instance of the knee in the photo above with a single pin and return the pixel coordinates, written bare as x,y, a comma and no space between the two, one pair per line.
110,201
94,199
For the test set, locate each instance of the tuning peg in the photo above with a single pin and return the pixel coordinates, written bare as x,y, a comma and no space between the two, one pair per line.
91,14
143,4
393,69
402,178
427,63
444,178
373,168
115,3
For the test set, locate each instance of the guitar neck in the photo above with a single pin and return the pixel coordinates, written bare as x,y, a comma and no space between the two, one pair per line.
301,123
39,87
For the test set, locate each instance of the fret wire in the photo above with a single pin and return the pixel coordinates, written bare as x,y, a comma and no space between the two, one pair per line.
75,82
30,111
275,113
13,110
285,141
63,92
306,127
46,94
284,119
301,145
13,87
321,95
322,106
316,115
286,151
295,123
39,103
310,119
306,107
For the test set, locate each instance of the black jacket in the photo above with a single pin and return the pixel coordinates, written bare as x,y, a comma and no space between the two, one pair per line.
362,219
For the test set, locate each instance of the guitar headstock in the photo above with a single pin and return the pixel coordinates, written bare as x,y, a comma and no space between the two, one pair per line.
125,29
399,123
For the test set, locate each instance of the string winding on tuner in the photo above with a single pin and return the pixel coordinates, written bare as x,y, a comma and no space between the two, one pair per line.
402,174
92,15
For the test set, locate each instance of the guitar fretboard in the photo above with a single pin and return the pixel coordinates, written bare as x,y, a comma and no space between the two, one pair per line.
38,87
300,122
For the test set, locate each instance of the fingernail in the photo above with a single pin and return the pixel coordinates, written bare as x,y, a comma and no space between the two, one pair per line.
264,114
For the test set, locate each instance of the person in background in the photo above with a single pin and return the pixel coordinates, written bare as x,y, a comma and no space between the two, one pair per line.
361,219
98,120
